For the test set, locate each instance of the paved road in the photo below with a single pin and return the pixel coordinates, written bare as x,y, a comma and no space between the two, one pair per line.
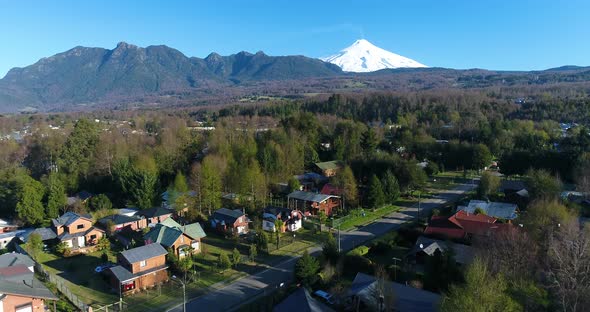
242,290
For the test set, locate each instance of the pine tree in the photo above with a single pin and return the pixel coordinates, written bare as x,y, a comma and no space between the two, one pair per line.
376,197
390,187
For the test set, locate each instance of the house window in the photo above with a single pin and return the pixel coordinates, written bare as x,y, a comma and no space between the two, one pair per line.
92,237
80,226
142,263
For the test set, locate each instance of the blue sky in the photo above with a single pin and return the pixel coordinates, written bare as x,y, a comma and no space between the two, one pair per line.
520,35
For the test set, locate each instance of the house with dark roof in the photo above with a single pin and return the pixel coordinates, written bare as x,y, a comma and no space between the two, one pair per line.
365,296
15,258
140,268
312,203
19,289
76,231
82,197
154,215
292,219
463,225
121,222
301,301
329,168
429,247
47,234
181,239
230,221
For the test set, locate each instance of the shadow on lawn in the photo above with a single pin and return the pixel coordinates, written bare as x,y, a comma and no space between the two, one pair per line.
79,270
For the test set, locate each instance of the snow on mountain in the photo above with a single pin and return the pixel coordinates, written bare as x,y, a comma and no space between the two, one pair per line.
362,56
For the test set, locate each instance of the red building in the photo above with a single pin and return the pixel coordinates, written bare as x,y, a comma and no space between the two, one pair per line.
463,225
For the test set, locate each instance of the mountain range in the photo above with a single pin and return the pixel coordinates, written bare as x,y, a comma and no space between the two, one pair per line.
131,76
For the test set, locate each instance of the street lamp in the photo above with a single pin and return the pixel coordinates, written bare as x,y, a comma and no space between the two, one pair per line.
183,293
293,238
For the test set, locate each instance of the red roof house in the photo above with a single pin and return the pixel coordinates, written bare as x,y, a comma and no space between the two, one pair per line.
462,225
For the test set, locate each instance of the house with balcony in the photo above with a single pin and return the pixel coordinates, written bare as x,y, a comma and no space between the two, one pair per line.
139,268
76,231
312,203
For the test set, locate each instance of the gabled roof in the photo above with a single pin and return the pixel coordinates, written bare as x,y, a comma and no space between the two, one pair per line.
227,215
463,253
69,218
329,165
309,196
20,281
441,225
166,233
12,259
406,298
493,209
67,236
461,223
301,301
161,234
154,212
143,253
194,230
46,234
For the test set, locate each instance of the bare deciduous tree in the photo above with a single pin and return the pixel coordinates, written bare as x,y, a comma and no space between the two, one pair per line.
569,271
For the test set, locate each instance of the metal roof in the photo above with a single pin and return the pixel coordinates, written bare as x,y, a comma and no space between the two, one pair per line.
463,253
227,215
493,209
118,219
19,280
11,259
143,253
407,298
154,212
309,196
69,218
161,234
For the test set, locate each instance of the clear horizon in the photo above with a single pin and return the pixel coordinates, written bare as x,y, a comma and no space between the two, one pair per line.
527,35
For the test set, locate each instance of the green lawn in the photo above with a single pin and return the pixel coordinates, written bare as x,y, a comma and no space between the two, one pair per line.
358,219
80,278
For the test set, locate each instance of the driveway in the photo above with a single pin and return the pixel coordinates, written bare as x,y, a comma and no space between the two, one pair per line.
246,289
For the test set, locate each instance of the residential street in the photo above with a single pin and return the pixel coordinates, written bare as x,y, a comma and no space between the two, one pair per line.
247,288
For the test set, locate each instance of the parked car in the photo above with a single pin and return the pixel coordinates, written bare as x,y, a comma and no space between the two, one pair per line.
324,295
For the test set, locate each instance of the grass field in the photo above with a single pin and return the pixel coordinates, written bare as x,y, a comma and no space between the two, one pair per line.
358,219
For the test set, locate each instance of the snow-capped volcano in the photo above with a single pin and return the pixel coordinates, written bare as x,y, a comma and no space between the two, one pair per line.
363,56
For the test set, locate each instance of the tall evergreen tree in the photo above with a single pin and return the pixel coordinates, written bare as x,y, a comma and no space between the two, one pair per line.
56,195
376,198
390,187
